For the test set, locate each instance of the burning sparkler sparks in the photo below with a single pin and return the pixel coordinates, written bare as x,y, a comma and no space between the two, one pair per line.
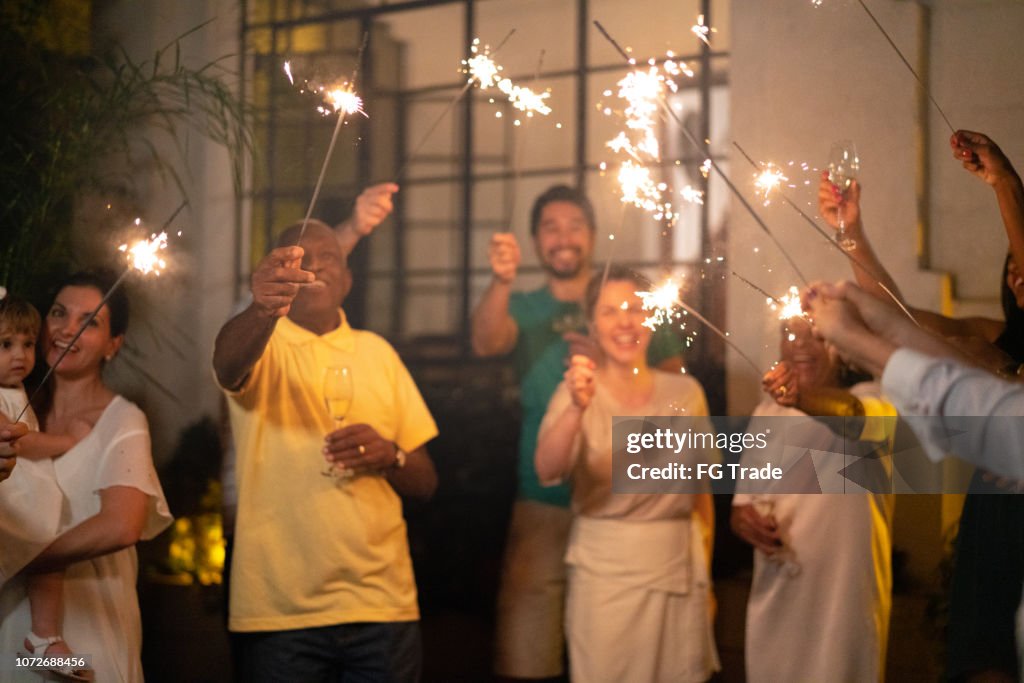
662,302
485,72
692,195
288,72
342,98
769,178
788,305
144,255
701,30
643,90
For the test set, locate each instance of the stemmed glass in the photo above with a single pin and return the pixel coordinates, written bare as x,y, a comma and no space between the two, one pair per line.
784,555
843,165
338,398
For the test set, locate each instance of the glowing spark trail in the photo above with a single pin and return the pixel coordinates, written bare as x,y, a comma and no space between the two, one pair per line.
288,72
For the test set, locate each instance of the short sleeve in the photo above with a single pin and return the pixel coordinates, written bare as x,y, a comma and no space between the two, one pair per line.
127,460
416,425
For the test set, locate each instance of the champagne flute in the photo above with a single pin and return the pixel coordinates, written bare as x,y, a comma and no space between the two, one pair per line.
338,391
783,556
843,166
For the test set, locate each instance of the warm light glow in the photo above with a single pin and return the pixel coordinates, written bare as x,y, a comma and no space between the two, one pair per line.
483,70
661,302
701,30
288,72
790,305
144,255
768,179
344,99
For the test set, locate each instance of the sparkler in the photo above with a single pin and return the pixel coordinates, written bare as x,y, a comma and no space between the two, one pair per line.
831,240
644,90
520,145
665,298
906,63
345,102
769,178
482,69
702,31
143,256
696,143
288,72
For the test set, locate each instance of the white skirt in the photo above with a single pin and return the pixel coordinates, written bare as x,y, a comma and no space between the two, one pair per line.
638,606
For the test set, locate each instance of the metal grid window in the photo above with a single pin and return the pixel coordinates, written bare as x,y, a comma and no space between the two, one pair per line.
421,273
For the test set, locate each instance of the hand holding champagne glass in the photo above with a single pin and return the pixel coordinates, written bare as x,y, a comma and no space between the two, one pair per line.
338,392
783,556
843,166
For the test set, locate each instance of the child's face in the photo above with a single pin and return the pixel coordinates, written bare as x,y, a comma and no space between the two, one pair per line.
17,356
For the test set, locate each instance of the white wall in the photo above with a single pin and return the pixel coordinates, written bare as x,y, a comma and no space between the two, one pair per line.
176,317
803,77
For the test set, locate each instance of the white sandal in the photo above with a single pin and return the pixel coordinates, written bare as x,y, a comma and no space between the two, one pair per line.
67,672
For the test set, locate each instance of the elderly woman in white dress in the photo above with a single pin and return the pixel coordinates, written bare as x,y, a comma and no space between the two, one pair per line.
113,496
821,595
639,598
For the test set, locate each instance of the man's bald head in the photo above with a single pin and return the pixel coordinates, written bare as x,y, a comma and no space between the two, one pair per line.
290,235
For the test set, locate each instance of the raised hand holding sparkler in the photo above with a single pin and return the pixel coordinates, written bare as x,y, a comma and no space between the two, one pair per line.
344,101
504,256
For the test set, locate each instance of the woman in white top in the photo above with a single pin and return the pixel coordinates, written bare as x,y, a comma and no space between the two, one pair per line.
639,598
821,593
113,495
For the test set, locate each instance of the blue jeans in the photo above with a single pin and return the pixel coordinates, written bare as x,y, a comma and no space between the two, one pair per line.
389,652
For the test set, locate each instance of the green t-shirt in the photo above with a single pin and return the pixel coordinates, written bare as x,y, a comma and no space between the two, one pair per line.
540,354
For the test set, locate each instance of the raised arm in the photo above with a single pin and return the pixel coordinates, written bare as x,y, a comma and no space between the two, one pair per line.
373,205
872,276
983,158
241,341
554,458
494,330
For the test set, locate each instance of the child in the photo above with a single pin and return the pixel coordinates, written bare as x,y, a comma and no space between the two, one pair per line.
31,502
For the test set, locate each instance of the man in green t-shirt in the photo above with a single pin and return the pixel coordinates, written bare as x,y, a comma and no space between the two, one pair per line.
542,329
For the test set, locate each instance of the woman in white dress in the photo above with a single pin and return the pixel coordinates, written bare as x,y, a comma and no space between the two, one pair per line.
114,498
821,593
639,596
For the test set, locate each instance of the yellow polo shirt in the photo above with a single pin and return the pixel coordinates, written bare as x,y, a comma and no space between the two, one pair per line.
310,551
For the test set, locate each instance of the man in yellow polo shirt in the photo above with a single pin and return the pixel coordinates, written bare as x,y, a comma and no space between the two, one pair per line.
322,584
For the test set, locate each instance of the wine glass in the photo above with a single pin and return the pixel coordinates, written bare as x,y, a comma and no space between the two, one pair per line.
783,556
843,165
338,398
